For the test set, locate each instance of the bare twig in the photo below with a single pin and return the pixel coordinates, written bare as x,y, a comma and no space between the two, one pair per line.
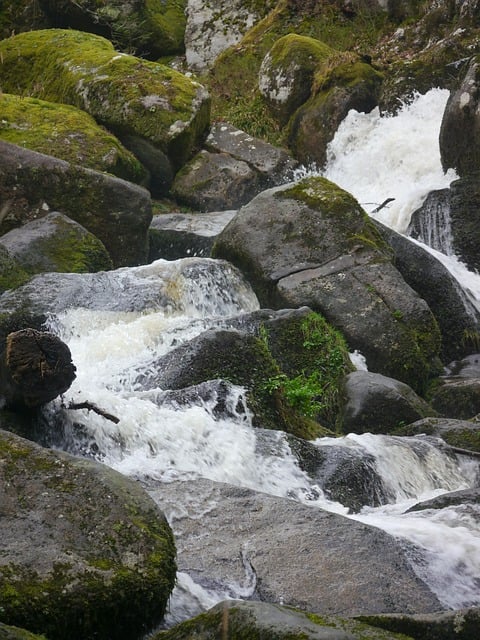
92,407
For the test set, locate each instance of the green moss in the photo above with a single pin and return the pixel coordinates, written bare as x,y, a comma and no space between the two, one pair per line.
76,253
66,133
233,80
12,275
313,357
126,94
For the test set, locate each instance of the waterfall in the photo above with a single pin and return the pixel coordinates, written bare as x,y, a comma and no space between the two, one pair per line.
374,158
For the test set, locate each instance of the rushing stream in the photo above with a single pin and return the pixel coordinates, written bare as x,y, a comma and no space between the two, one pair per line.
374,158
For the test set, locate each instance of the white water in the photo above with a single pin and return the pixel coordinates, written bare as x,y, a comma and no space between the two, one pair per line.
374,158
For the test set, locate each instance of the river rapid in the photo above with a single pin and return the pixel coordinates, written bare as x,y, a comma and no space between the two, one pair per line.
374,158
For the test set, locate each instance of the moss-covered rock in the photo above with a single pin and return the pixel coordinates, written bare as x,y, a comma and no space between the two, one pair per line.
128,95
286,73
457,433
67,133
313,358
209,357
12,275
114,210
311,244
14,633
259,620
56,243
150,28
107,561
348,85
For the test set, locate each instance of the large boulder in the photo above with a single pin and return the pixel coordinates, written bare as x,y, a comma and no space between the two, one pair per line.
213,26
377,404
209,356
258,620
215,182
231,169
148,27
310,243
349,85
280,550
286,74
114,210
128,95
67,133
107,561
460,130
56,243
456,316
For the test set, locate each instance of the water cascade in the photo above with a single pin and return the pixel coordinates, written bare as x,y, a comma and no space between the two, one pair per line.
163,441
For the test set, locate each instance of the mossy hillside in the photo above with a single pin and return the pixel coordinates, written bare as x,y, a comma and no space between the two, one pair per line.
115,563
234,78
314,360
126,94
67,133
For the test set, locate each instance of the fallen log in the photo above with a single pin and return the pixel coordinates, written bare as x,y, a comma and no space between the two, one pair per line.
36,367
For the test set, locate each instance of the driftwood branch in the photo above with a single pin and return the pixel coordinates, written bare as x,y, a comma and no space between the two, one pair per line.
383,205
92,407
463,452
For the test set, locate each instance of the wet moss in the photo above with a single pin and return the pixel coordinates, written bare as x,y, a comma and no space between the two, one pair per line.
67,133
126,94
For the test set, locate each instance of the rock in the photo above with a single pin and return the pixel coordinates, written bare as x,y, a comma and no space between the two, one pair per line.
345,475
255,620
264,544
464,203
311,244
377,404
287,71
453,498
35,368
11,273
213,26
107,561
274,165
151,29
67,133
456,433
56,243
128,95
455,397
117,212
468,367
154,161
352,85
215,182
446,625
14,633
460,130
209,357
456,316
181,235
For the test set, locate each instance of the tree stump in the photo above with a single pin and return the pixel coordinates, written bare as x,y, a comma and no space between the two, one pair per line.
36,368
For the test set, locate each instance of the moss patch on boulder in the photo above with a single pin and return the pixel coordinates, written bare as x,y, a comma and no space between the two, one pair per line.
128,95
67,133
107,561
11,273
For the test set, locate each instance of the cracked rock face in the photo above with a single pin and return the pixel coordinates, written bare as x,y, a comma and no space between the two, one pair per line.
215,25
